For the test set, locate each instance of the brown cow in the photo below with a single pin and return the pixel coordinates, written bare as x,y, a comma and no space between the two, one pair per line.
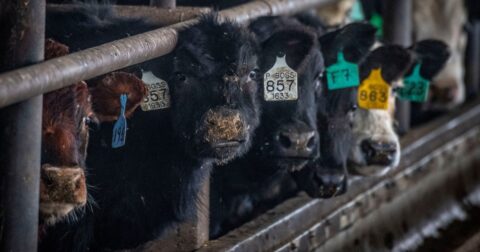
67,116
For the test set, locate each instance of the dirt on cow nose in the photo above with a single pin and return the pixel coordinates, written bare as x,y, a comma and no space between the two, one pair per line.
63,185
223,125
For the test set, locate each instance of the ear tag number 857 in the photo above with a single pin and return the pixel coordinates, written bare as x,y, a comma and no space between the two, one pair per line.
280,82
374,92
415,87
158,93
342,74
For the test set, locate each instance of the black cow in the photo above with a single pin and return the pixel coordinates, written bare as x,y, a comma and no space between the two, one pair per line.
150,184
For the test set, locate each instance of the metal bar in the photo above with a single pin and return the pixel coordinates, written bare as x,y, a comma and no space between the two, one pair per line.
473,60
302,224
20,129
171,4
398,30
153,15
56,73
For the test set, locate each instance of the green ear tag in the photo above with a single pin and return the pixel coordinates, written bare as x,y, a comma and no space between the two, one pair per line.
377,21
415,87
342,74
356,14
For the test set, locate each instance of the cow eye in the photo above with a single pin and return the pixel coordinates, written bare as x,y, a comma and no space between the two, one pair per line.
353,108
180,77
253,75
92,123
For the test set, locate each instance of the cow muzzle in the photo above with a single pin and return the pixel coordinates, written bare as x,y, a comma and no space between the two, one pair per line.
62,189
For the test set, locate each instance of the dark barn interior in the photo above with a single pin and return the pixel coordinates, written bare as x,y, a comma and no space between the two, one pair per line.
261,125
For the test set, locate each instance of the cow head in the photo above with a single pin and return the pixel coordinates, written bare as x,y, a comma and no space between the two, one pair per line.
287,137
67,118
444,20
327,176
376,146
214,89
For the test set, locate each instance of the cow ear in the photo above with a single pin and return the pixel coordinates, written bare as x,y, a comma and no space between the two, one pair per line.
54,49
392,59
106,91
355,40
432,54
296,44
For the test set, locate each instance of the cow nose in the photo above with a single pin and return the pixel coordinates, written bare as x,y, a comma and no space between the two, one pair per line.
224,125
63,185
378,152
331,184
296,143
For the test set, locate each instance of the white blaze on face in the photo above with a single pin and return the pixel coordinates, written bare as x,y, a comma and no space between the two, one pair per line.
444,20
372,125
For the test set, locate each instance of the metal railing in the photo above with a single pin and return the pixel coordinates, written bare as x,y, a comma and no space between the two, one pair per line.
21,100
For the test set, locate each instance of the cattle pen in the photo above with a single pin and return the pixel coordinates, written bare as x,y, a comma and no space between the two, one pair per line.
437,179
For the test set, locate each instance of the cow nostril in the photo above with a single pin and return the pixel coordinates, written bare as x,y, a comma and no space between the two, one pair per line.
284,140
367,148
311,143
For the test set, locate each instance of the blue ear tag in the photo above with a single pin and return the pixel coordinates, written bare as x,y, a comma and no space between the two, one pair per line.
415,87
120,128
356,14
342,74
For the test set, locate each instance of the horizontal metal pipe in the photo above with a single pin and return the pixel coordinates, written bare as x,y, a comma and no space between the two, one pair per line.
50,75
154,15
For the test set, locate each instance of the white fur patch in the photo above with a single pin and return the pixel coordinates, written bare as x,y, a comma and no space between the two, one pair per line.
375,125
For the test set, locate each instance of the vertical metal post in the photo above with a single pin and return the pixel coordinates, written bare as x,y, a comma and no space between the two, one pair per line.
170,4
22,24
473,60
398,30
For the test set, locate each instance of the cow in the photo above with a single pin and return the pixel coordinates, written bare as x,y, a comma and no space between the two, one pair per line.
443,20
67,118
149,186
262,179
376,147
327,176
287,137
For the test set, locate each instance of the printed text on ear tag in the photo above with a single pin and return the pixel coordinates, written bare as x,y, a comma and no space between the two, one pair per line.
374,92
280,82
415,87
342,74
120,128
158,93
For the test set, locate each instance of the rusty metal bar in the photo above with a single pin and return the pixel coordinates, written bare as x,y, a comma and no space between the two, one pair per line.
398,30
473,60
20,127
171,4
303,224
27,82
154,15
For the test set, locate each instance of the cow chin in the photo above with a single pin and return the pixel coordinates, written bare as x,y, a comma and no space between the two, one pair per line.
52,213
291,164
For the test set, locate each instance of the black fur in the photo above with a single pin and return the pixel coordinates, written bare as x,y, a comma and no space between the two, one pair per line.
150,185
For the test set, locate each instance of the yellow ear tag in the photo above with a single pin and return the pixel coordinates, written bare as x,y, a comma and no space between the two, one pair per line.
374,91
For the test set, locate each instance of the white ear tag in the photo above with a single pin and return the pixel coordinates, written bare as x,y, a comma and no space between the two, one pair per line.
158,93
280,82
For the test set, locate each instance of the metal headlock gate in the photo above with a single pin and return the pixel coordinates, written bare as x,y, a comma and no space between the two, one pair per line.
298,224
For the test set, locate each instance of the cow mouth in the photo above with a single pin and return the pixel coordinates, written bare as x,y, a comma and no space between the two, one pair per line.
228,144
292,163
53,212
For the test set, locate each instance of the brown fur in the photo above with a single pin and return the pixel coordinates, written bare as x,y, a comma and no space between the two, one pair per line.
106,92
